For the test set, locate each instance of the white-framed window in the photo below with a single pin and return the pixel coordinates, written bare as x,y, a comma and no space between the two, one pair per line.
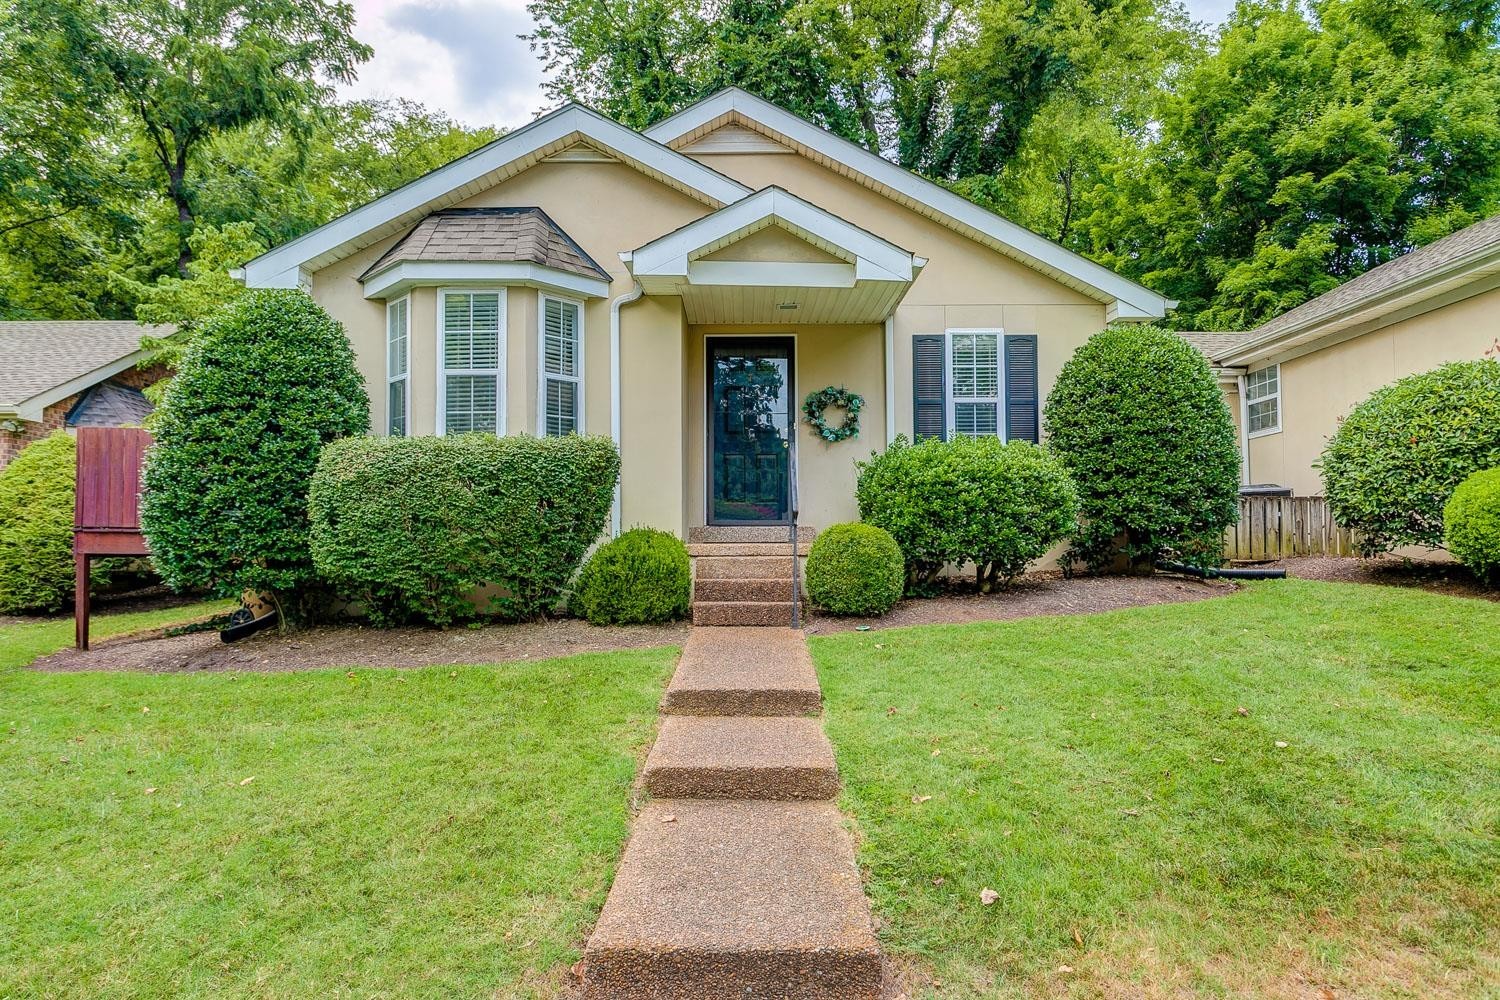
976,391
398,367
1263,401
560,382
471,352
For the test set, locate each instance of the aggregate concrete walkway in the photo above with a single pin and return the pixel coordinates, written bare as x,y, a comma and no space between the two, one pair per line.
739,880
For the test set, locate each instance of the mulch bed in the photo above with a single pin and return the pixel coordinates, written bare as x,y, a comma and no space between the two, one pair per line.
359,645
1047,593
1439,576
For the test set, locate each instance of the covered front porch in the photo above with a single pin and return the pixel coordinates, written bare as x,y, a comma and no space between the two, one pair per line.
741,315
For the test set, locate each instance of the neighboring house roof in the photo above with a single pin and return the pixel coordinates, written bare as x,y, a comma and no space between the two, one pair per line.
1454,267
1212,344
1126,298
574,131
524,235
48,361
110,404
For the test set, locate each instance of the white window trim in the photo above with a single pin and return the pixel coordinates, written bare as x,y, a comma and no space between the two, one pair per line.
541,363
1262,399
501,356
950,400
404,376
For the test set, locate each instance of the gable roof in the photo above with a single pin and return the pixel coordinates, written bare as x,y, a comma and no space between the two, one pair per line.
1462,263
485,167
1126,299
1211,343
47,361
490,234
110,404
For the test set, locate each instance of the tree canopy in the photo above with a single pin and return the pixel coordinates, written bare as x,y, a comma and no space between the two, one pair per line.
1240,170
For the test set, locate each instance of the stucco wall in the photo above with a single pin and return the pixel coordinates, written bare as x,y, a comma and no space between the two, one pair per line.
1320,388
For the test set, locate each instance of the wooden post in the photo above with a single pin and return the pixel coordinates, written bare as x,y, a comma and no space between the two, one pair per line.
81,600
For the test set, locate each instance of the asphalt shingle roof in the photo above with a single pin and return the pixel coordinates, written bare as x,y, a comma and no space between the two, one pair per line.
42,355
110,404
1434,257
1211,344
525,235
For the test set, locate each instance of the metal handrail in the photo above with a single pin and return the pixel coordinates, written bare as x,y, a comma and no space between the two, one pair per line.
796,565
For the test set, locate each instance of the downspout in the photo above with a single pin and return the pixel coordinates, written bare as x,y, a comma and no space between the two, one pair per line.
1244,433
890,379
635,293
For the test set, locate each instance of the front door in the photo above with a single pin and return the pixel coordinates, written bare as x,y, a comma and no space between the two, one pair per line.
750,420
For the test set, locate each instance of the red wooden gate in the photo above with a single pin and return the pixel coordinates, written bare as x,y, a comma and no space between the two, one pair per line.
106,507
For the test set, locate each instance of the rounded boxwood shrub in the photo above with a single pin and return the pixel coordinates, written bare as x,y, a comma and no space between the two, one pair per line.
971,500
1141,424
442,529
266,383
36,527
855,569
1471,524
641,578
1397,458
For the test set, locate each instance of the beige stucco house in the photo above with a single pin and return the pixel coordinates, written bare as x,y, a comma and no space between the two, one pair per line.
1291,381
684,289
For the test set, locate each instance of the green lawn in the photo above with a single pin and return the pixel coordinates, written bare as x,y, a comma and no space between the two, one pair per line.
1097,774
374,833
28,638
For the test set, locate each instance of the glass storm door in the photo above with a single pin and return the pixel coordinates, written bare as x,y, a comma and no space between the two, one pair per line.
750,425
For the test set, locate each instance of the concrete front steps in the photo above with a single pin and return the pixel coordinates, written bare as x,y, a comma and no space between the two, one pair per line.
743,575
739,880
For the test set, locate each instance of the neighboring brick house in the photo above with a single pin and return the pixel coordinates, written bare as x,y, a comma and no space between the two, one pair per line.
70,373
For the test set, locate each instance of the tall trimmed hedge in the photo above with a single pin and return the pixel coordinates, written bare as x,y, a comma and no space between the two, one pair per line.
413,527
267,382
1397,458
36,527
1141,424
974,501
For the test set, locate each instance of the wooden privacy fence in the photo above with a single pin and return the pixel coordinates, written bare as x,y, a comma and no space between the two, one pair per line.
1273,528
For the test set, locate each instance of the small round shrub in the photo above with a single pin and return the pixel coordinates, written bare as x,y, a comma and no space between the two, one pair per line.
855,569
1471,524
1397,458
970,500
36,527
1141,424
644,577
266,383
413,528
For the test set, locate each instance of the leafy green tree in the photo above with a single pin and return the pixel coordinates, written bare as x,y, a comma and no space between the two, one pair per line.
1307,148
190,70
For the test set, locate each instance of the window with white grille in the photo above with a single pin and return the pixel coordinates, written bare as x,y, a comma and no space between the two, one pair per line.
974,383
1263,400
397,368
471,345
561,390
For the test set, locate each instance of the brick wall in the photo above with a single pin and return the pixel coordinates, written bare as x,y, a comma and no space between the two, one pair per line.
54,416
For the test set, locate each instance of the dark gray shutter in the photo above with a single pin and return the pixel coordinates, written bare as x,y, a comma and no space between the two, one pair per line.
1021,422
929,385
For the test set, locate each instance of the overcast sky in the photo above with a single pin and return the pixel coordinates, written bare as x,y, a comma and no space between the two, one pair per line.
463,56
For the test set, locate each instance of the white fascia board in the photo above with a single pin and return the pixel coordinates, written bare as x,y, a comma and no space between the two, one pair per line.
876,259
1133,301
771,274
33,408
398,278
412,199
